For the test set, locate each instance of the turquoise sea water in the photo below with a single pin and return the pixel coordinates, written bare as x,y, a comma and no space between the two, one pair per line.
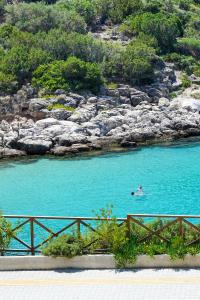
170,177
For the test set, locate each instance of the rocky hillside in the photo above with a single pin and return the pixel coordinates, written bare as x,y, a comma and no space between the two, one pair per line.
70,123
84,78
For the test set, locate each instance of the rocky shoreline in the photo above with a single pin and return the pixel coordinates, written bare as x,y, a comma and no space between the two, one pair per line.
125,116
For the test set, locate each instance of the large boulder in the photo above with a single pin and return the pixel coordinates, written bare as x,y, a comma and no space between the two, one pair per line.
71,138
47,122
60,114
137,96
8,153
83,114
34,146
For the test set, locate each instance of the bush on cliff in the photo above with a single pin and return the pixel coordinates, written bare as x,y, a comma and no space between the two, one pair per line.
72,74
190,46
165,28
40,33
85,8
34,17
133,64
21,61
8,83
117,10
62,45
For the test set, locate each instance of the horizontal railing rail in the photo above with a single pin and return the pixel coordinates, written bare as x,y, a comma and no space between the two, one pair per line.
27,230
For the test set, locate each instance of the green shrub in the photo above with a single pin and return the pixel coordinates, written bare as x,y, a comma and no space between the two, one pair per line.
138,58
50,77
6,234
2,7
34,17
190,46
185,4
165,28
183,62
185,81
21,61
85,8
71,74
61,45
196,71
31,17
175,247
65,246
111,237
15,62
117,10
82,75
8,83
60,106
112,85
108,234
133,64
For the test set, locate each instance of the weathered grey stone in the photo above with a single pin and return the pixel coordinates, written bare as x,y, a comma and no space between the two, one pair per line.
73,138
60,114
47,122
163,102
7,153
34,146
37,104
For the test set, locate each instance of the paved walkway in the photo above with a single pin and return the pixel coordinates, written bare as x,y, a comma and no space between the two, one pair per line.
100,285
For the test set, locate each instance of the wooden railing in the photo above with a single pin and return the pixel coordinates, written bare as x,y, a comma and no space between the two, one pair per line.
30,233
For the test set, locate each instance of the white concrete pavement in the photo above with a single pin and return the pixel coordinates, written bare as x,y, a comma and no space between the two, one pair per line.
101,284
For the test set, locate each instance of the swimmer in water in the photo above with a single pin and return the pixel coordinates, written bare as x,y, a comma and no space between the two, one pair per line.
139,192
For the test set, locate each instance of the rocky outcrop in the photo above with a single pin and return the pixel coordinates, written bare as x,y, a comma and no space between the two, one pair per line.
189,99
125,125
67,123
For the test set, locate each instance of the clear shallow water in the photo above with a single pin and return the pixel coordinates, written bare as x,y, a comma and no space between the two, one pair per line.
170,177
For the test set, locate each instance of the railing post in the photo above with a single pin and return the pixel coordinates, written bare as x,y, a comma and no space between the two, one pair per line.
128,223
181,229
78,228
32,236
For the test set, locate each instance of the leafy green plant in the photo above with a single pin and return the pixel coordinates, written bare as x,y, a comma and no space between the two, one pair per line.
6,234
165,28
175,247
50,77
190,46
108,234
65,245
112,85
173,95
183,62
35,17
185,81
73,74
8,83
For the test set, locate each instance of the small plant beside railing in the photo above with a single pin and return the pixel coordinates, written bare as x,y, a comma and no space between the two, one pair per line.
127,240
6,234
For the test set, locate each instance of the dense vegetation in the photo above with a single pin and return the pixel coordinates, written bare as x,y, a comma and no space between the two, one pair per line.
126,247
51,43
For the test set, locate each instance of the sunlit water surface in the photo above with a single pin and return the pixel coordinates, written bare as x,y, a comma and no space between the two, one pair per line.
170,177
